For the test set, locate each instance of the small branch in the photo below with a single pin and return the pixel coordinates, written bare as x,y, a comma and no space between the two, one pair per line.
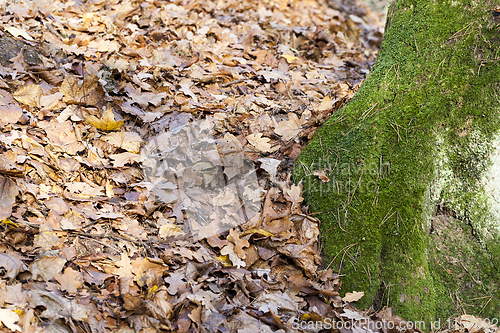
225,85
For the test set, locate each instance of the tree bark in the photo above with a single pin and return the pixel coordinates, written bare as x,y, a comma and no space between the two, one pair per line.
410,213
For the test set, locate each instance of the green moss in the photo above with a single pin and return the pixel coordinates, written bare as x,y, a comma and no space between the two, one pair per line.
428,107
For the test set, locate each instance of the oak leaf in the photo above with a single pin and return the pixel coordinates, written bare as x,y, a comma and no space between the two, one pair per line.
260,143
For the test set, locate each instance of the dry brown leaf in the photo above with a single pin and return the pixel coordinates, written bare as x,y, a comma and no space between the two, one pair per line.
8,193
143,98
47,239
62,135
322,176
11,265
16,32
9,318
239,243
8,168
107,122
10,114
260,143
51,102
326,104
46,266
89,93
129,141
120,160
29,95
303,256
57,306
229,250
170,230
70,281
16,295
175,282
353,297
294,193
289,129
82,191
126,270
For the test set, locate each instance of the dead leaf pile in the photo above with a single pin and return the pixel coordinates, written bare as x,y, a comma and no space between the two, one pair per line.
145,158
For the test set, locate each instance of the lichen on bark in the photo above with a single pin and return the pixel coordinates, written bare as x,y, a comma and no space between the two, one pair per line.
409,150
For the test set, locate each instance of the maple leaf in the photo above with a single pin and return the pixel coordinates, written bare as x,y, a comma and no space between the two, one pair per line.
70,281
15,295
290,128
175,282
107,121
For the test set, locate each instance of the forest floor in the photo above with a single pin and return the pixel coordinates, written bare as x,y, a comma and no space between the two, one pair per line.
146,150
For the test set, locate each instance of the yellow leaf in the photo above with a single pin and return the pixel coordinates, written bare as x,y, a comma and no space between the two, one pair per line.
289,58
170,230
257,231
29,95
9,222
107,121
152,292
225,260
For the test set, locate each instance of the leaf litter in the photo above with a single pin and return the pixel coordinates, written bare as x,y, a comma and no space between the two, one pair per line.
146,150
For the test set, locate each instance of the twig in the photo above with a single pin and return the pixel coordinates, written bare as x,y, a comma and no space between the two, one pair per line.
224,85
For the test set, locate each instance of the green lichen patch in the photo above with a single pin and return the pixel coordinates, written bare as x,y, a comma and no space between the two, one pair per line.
417,133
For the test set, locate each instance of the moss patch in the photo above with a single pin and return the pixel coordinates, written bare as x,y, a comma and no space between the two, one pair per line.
428,111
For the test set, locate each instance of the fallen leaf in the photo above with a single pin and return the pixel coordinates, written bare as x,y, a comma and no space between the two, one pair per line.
9,319
259,142
107,121
29,95
89,93
57,306
8,193
170,230
353,297
322,176
8,168
62,135
239,243
11,265
70,281
46,266
289,129
10,114
16,32
129,141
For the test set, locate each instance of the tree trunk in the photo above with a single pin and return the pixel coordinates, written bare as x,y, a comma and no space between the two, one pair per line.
410,213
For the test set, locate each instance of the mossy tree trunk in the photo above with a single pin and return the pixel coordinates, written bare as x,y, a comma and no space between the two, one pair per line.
410,214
